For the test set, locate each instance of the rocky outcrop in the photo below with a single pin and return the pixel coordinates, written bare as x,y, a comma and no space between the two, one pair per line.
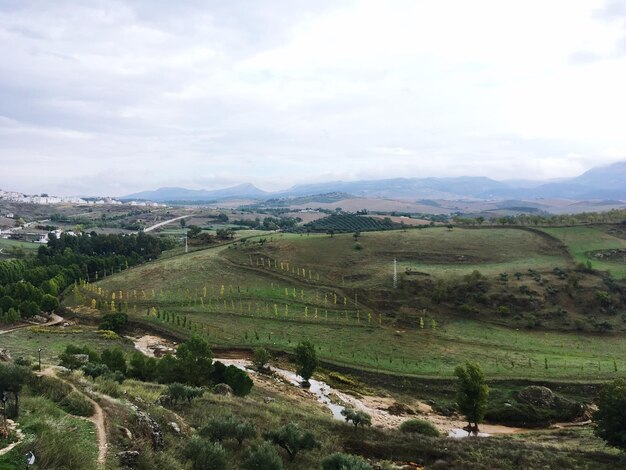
129,458
538,396
5,356
223,389
149,427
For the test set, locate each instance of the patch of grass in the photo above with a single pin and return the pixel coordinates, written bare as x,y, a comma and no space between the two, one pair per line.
58,440
75,403
25,342
582,240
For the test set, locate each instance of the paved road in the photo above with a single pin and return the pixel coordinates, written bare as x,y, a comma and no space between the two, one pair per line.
161,224
56,319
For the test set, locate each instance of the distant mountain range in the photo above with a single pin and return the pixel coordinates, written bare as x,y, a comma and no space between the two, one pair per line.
599,183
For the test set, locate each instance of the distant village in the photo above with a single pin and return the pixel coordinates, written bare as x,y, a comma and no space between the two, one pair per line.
14,196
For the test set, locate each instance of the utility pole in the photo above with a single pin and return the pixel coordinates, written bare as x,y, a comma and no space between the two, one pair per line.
395,273
186,245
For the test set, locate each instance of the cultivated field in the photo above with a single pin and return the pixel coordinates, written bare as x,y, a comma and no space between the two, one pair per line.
296,286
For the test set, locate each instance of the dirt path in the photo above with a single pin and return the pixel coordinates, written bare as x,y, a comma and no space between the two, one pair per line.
97,418
56,319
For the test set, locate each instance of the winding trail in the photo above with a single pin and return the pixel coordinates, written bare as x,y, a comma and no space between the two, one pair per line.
97,418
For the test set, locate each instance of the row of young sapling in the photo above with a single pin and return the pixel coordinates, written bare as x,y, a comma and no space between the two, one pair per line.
284,303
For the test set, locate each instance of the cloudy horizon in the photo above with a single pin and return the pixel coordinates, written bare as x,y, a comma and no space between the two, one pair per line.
118,97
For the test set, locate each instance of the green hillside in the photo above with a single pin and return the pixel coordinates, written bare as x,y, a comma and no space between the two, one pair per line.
484,294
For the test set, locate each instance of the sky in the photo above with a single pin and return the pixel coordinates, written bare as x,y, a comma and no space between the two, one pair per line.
110,98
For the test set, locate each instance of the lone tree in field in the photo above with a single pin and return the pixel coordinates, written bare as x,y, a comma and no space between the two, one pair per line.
290,438
306,360
358,418
472,393
610,419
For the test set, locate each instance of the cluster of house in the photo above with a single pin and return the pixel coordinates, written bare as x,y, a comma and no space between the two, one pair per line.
14,196
45,237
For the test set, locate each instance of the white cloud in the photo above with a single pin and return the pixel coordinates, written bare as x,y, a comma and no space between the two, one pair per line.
195,93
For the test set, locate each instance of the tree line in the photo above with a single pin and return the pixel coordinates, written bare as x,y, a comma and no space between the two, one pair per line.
32,285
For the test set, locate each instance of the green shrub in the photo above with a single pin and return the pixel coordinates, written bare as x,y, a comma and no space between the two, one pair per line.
357,417
339,461
290,438
113,321
238,380
262,457
228,427
93,370
75,403
51,388
261,359
420,426
114,359
205,455
108,386
610,418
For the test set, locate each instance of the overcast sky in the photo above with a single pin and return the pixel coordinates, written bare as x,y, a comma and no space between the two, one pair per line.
112,97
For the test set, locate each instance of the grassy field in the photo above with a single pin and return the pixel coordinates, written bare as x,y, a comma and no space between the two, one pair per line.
296,286
582,240
7,245
501,352
58,439
25,342
436,251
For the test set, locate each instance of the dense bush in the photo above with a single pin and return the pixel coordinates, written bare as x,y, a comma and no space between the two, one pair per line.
231,375
261,359
290,438
177,391
75,403
419,426
358,418
228,427
95,369
69,359
238,380
339,461
205,455
306,360
114,359
142,367
262,457
114,321
610,419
